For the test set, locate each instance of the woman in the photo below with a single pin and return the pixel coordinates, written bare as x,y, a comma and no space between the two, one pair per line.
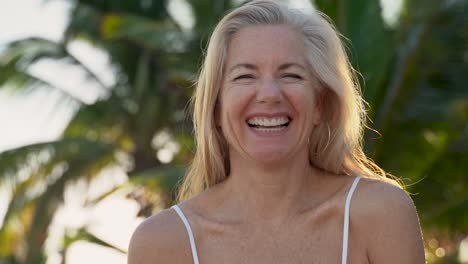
278,121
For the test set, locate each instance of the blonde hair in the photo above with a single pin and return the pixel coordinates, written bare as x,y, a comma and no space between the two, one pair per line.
335,144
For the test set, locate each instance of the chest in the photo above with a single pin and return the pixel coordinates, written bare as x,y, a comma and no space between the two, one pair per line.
271,248
316,241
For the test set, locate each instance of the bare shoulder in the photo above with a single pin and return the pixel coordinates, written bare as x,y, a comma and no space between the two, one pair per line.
159,239
381,199
385,216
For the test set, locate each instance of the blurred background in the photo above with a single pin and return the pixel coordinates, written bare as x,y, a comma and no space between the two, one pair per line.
95,135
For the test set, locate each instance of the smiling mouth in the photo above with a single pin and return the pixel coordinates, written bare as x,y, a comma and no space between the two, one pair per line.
262,124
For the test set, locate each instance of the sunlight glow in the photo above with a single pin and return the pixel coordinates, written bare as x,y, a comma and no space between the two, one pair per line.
32,118
25,18
69,78
391,10
182,13
84,252
165,146
112,220
95,59
463,251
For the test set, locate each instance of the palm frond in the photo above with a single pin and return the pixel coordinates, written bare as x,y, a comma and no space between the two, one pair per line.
21,54
104,120
88,165
30,169
83,234
148,33
28,83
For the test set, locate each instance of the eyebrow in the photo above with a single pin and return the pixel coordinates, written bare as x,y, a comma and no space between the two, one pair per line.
291,64
254,67
243,65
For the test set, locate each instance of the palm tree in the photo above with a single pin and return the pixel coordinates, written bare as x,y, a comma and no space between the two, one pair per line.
145,46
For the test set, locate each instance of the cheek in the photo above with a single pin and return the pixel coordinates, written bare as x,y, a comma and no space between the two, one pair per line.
302,97
303,101
234,101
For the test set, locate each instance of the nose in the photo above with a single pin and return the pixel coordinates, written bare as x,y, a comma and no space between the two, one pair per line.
269,91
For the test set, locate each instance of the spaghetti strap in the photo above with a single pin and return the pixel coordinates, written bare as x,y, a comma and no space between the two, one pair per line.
344,254
189,231
345,225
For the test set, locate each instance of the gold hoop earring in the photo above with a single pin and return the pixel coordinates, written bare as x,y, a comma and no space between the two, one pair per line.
329,137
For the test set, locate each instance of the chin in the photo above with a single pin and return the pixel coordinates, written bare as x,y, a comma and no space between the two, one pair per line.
269,157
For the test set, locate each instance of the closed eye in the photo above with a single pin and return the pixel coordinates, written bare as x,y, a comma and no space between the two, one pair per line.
292,75
244,76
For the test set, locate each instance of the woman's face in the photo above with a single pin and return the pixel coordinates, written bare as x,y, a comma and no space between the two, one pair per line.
266,106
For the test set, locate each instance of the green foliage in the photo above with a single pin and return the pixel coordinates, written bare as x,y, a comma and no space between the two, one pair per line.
369,40
428,120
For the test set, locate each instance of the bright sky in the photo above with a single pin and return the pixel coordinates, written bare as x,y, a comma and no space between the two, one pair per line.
20,116
35,118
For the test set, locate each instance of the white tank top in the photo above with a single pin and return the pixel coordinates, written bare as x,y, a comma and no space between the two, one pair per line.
344,254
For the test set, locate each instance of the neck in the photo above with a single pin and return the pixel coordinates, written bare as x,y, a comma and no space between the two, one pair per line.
269,193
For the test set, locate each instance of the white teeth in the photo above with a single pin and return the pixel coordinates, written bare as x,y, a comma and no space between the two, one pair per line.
268,122
273,129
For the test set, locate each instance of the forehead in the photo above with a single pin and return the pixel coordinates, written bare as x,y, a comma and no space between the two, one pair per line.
266,45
